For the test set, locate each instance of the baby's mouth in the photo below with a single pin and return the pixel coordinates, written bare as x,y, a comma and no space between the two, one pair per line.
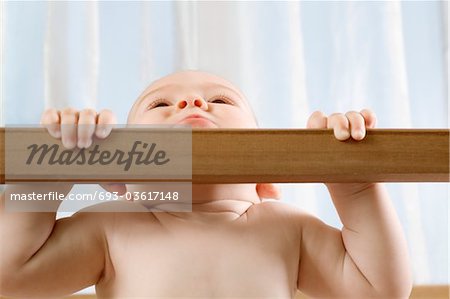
198,122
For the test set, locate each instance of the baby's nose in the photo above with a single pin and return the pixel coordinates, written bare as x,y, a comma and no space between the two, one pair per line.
197,102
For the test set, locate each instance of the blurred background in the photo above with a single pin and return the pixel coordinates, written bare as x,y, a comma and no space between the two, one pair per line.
289,58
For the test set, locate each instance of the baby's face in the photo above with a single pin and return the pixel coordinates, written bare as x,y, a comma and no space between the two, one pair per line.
193,98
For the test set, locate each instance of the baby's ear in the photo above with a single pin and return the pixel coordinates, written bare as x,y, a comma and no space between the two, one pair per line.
268,191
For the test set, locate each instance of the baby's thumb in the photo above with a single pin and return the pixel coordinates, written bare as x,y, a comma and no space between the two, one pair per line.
114,187
268,191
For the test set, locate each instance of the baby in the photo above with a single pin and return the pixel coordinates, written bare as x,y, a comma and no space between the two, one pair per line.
232,245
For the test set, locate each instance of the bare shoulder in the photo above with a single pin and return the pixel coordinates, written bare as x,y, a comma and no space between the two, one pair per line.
281,212
111,218
278,208
114,211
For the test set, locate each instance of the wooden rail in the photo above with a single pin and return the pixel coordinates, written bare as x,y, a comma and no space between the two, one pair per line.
274,155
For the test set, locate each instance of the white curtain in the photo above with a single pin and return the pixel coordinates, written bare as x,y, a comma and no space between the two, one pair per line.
2,122
289,58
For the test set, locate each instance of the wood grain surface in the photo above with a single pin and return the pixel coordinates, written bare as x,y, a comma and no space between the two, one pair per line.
274,155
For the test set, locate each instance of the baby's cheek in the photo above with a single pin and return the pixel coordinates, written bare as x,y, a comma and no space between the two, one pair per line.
243,120
147,118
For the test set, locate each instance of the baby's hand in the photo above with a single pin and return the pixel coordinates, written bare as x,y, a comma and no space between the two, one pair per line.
77,128
352,124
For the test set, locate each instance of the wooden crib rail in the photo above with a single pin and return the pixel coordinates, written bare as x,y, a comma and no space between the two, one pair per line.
290,156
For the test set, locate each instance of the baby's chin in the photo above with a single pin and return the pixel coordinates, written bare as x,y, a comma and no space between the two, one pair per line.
198,123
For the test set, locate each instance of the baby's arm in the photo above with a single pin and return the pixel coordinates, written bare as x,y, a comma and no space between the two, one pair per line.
369,257
43,257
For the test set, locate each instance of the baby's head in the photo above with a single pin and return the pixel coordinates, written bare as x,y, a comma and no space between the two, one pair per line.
193,98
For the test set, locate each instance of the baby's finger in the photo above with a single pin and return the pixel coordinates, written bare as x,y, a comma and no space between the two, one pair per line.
369,117
69,119
121,189
317,120
50,120
105,122
357,125
86,127
339,123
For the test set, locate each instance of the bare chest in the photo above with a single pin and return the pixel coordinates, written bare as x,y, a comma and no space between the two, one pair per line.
238,261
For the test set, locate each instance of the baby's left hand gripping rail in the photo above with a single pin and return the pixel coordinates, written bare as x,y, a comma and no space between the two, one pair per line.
257,155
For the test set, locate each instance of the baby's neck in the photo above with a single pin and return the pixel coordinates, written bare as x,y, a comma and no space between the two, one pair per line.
224,202
203,193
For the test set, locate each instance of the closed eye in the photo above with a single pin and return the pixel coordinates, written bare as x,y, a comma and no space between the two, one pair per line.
221,99
158,103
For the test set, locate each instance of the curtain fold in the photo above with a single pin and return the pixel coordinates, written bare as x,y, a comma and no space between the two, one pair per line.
56,56
71,55
187,17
